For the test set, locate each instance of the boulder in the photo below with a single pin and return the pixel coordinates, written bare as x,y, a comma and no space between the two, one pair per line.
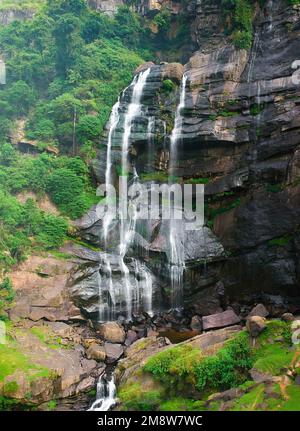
96,352
259,310
220,320
113,352
287,317
112,332
196,323
255,325
131,337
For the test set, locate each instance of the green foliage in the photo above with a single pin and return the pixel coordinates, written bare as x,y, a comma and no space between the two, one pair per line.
136,398
168,86
281,241
256,109
23,226
273,352
67,63
52,404
241,13
7,295
228,368
163,20
181,404
178,361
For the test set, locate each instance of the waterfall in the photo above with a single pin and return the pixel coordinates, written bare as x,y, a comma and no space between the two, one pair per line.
150,141
138,292
106,392
114,120
253,56
176,230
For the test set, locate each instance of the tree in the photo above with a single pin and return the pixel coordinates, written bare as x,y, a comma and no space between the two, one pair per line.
68,42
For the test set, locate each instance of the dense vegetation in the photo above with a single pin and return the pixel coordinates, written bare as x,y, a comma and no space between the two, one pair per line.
65,68
187,371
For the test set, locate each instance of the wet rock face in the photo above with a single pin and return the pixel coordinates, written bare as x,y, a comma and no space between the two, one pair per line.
240,137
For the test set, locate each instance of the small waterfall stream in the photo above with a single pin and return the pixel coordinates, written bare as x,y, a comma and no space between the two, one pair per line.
176,231
139,291
106,392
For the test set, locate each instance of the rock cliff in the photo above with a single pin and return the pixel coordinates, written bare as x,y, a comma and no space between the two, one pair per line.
241,138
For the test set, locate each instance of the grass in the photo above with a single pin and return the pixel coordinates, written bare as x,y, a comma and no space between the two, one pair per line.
250,400
12,359
135,397
182,404
46,336
293,402
274,352
274,359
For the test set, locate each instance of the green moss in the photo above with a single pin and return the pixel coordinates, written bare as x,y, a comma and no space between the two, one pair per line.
51,405
48,337
250,400
274,359
181,404
273,352
293,402
12,359
281,241
135,397
10,388
183,364
228,368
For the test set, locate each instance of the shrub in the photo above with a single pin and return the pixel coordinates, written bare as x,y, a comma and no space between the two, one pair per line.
7,295
228,368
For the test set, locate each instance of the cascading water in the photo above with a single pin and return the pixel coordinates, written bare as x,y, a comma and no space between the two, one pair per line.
106,392
139,292
114,120
176,233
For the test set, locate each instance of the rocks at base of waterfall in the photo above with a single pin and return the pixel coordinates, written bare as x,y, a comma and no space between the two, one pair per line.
220,320
140,330
96,352
113,352
259,310
288,317
196,323
112,332
255,325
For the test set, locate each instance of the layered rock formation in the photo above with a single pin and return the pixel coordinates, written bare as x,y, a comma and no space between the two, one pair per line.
240,137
